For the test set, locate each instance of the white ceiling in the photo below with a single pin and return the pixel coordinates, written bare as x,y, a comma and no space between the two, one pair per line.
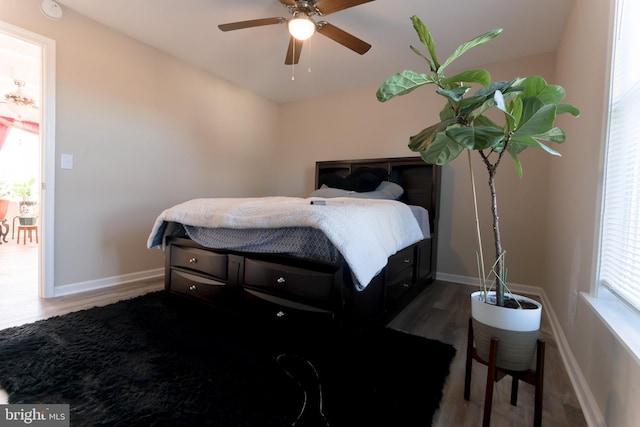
254,58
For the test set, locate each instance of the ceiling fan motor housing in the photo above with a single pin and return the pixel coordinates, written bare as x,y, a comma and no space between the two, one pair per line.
307,7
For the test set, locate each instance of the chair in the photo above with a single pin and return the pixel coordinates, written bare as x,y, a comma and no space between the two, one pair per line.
495,374
25,229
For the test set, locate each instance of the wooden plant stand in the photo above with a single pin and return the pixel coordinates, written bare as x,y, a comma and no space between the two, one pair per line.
27,229
495,374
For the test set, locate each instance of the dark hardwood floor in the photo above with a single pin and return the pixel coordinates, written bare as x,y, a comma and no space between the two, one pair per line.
440,312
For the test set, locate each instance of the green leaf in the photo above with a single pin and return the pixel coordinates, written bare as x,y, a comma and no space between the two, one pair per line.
568,108
536,118
470,104
425,37
551,94
476,137
532,86
498,98
432,67
483,120
470,76
441,151
420,141
548,149
518,145
402,83
555,134
516,114
481,39
506,87
447,113
456,94
483,98
516,161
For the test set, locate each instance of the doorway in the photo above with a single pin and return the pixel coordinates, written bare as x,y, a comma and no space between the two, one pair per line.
27,160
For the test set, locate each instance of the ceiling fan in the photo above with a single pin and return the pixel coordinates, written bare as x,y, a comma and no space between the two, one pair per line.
18,102
301,25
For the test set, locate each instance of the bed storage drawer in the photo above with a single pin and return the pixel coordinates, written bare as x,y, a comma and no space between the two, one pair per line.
398,285
400,261
207,262
399,274
195,286
307,285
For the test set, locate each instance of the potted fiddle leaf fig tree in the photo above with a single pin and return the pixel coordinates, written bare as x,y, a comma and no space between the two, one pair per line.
491,119
28,207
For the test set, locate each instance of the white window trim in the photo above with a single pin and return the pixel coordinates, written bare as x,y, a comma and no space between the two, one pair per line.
620,319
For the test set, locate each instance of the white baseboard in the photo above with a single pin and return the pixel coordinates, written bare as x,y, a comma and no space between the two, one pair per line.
107,282
587,401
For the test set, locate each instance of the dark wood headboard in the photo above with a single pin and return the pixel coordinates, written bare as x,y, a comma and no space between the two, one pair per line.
420,180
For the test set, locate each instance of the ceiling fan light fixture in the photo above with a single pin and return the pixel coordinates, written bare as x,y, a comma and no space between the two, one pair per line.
301,26
18,102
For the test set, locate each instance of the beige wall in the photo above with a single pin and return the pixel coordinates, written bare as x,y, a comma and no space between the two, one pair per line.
127,112
355,125
612,373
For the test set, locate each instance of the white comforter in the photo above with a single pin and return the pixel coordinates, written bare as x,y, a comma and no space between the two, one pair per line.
366,232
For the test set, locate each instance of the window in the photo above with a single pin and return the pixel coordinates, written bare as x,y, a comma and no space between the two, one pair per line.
619,269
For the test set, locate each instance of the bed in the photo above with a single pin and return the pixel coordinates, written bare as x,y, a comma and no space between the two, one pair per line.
357,249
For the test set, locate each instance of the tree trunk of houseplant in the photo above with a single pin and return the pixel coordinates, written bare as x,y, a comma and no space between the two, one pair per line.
513,319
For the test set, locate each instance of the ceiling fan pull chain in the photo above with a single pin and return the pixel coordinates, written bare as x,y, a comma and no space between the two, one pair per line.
293,63
309,57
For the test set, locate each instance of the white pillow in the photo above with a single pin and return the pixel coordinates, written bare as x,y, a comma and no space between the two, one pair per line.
329,192
386,190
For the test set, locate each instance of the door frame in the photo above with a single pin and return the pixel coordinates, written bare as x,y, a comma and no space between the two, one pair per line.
46,266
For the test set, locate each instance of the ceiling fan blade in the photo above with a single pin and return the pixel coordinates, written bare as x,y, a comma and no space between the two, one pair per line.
288,2
342,37
331,6
293,52
252,23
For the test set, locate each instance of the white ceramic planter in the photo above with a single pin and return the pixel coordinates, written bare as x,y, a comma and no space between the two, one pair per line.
516,330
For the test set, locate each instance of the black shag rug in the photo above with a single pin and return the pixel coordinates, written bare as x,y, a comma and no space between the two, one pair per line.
150,362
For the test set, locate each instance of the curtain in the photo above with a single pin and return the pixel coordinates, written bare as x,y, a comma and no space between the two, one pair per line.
4,131
6,123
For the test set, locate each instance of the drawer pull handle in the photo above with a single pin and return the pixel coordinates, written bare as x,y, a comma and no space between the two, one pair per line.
281,280
406,261
193,288
193,260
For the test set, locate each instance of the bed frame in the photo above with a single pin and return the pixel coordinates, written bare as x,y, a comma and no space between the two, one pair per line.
288,287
